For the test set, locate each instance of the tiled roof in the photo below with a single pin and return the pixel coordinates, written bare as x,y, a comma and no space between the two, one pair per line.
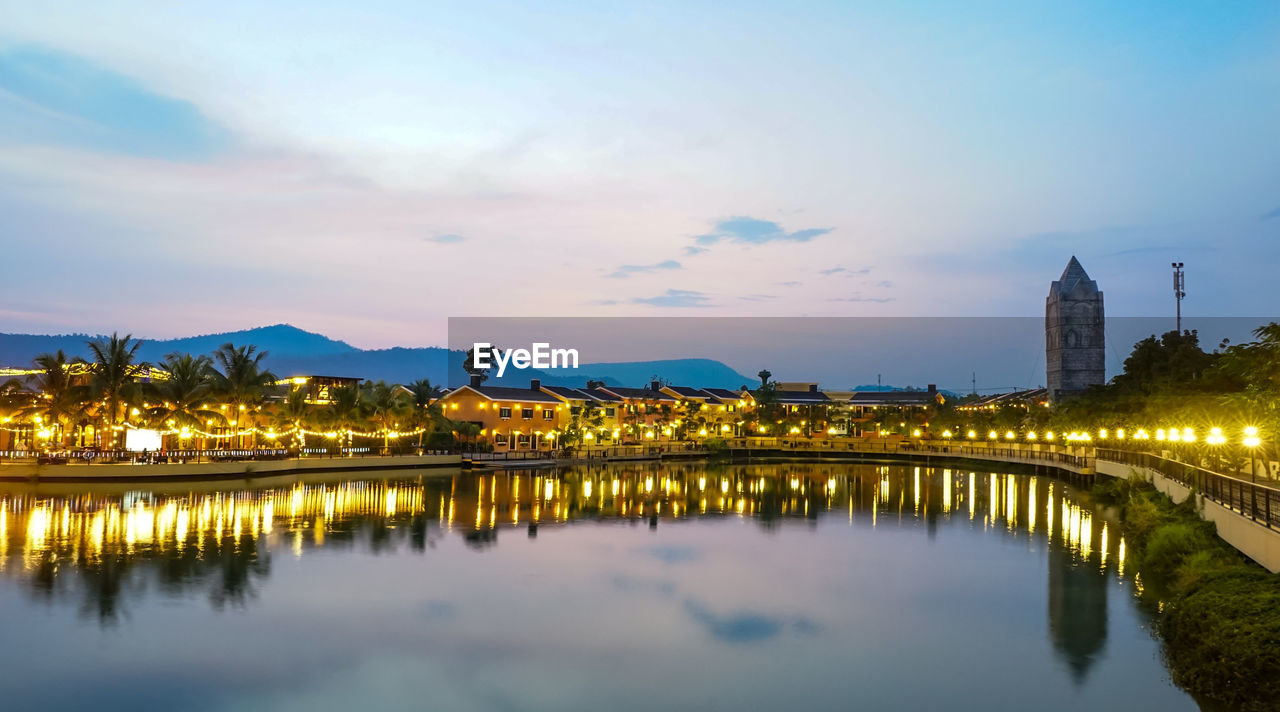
566,393
639,393
802,397
893,398
514,395
602,396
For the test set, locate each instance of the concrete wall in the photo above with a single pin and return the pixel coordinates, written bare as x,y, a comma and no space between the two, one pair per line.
1255,541
212,470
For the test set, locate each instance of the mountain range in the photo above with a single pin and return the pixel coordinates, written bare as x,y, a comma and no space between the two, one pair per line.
293,351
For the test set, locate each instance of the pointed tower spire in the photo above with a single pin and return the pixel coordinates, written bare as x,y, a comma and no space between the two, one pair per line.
1075,333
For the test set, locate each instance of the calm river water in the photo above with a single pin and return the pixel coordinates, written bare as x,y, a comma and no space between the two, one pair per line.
647,587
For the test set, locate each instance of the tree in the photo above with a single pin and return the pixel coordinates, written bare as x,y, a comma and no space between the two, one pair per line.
587,418
469,365
294,413
1172,361
183,397
1254,367
386,406
113,373
243,383
768,411
425,400
61,402
344,410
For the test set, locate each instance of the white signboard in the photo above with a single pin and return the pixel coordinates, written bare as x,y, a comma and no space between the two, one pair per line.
139,440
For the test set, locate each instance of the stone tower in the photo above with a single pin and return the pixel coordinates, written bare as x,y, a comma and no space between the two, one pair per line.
1075,333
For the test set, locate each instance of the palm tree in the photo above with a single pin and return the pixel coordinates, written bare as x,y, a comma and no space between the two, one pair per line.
344,409
427,415
386,406
243,383
61,402
294,412
183,397
113,374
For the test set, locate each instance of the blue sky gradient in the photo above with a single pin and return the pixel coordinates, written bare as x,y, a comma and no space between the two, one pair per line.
368,170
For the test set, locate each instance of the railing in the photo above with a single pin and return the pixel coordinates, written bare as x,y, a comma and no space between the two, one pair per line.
1007,452
162,457
594,453
1257,502
1080,462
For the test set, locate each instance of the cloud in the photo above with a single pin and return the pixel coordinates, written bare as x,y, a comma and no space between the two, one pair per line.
628,270
1271,215
604,302
789,284
758,297
833,270
675,298
446,239
693,251
746,626
675,554
860,298
752,231
54,98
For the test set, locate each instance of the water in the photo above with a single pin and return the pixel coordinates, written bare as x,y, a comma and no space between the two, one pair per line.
798,586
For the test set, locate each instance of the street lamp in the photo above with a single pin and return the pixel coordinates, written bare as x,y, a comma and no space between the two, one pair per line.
1252,441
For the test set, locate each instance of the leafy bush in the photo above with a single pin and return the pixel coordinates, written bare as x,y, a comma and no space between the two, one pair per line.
1221,619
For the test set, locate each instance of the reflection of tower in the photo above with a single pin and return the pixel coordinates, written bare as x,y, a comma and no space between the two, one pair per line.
1077,610
1075,343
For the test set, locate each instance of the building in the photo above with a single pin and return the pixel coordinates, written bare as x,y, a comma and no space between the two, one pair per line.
646,413
863,413
591,409
318,388
1075,333
509,418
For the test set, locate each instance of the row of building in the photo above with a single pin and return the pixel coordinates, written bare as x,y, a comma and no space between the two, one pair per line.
536,417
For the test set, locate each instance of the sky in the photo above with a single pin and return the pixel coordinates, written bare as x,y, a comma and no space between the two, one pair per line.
368,170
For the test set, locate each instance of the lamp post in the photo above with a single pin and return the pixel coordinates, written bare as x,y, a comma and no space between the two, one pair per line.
1252,441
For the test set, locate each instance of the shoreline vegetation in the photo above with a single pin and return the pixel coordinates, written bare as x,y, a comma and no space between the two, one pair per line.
1217,612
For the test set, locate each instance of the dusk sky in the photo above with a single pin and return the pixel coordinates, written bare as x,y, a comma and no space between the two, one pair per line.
367,173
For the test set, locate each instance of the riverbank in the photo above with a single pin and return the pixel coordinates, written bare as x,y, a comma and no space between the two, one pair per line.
1219,612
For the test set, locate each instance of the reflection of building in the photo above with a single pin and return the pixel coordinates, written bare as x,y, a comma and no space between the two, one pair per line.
1075,346
1077,609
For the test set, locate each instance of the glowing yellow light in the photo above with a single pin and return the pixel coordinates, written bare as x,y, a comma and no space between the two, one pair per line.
1031,435
1009,435
972,434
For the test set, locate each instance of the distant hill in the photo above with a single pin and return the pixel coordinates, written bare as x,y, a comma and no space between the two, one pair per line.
293,351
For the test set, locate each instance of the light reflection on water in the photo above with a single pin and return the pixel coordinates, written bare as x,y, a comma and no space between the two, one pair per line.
854,584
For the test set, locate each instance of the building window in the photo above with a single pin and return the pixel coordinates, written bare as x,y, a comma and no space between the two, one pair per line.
610,412
522,440
732,408
574,410
548,414
499,439
504,413
526,413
